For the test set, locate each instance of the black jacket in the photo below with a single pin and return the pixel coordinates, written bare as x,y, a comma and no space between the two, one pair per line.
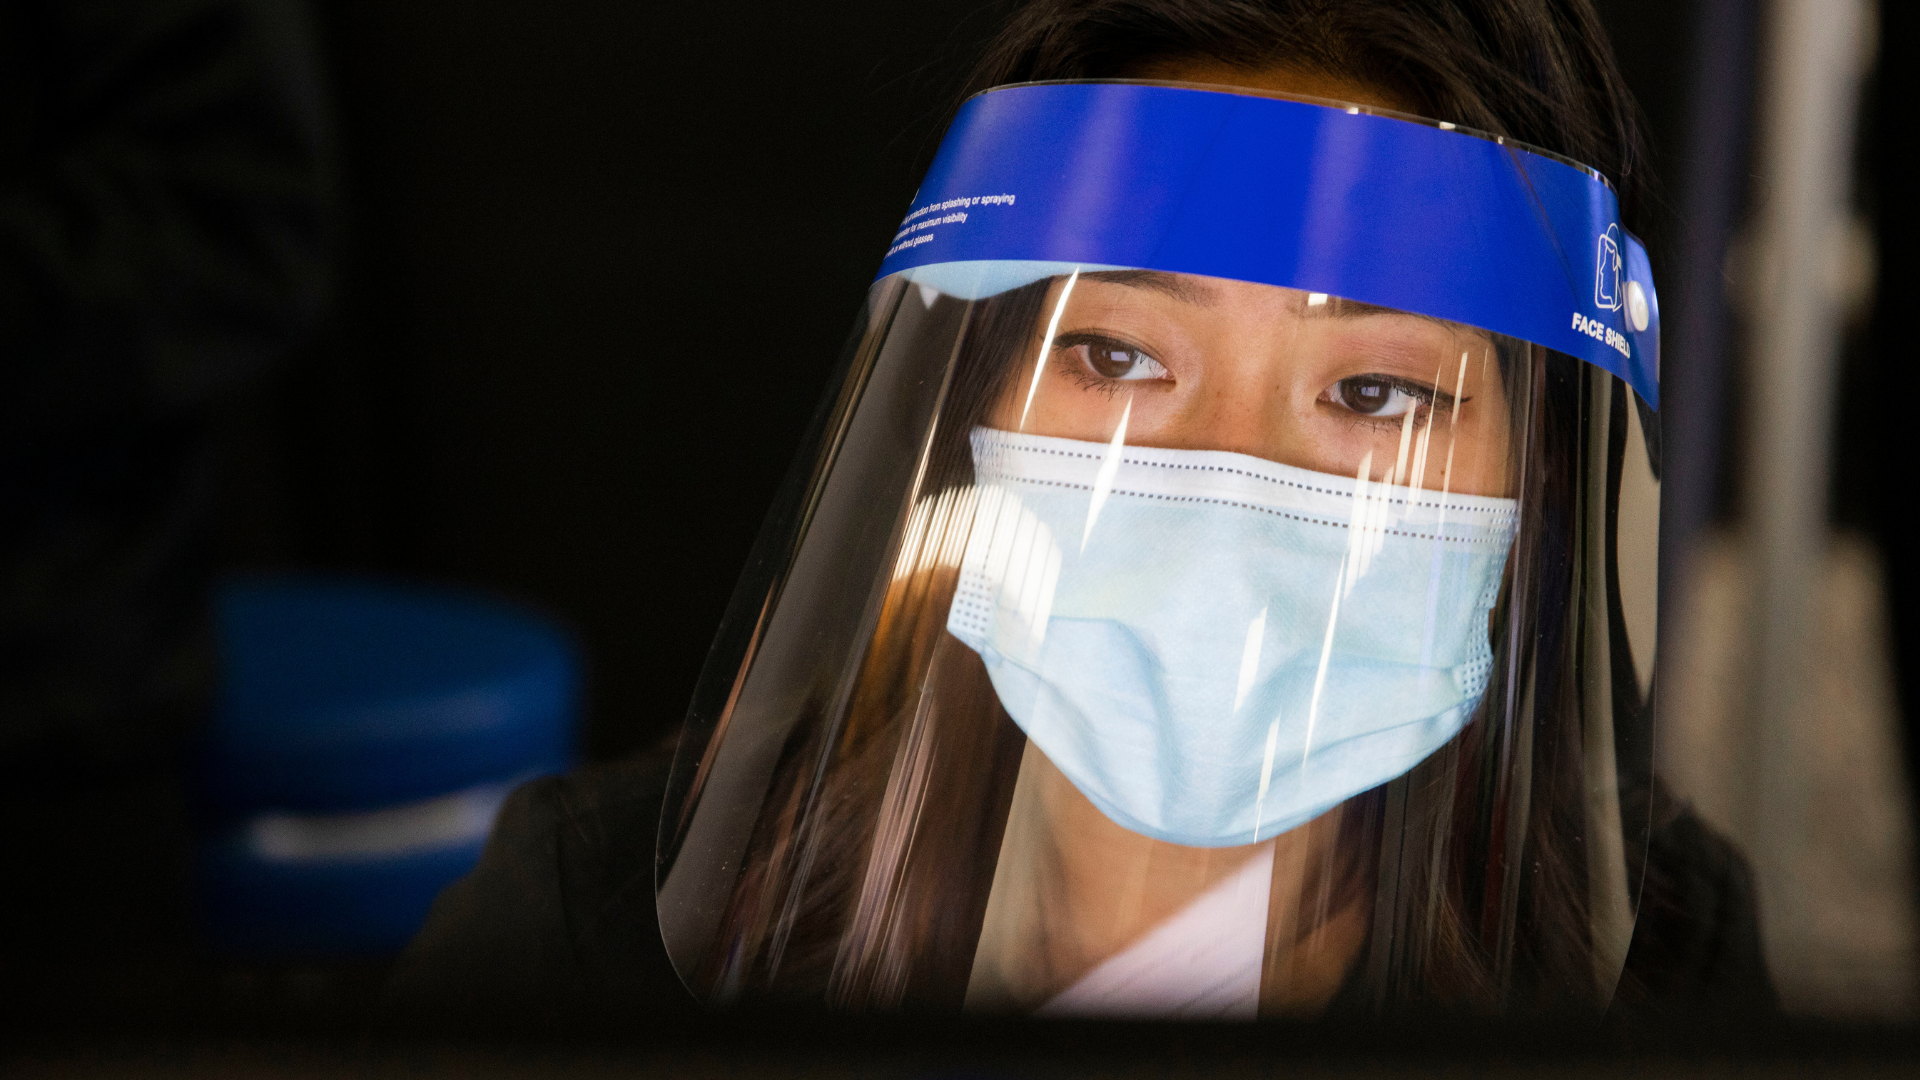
556,928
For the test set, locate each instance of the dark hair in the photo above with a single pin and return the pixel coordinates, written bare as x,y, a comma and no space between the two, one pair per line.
829,905
1539,71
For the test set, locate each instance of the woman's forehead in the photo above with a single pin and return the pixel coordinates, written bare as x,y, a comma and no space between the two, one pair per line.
1214,294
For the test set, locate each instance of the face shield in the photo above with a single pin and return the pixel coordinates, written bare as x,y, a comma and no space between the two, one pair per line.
1220,585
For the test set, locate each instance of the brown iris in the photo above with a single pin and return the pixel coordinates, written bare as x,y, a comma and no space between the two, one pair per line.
1110,361
1366,395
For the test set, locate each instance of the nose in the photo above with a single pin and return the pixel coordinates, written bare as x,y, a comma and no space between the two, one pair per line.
1246,406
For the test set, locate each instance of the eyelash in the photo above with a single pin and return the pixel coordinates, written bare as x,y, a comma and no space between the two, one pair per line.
1427,399
1064,346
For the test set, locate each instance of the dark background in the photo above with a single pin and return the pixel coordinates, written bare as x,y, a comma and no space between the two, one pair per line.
593,263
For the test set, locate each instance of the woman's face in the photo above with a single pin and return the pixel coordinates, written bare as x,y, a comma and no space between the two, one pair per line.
1303,379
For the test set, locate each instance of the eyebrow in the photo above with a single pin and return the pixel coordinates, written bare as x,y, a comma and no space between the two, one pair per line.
1177,286
1189,290
1341,308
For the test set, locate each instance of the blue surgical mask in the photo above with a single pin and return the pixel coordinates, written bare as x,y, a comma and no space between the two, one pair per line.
1216,648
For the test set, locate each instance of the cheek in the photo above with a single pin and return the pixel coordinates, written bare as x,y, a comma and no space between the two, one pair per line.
1057,406
1016,386
1483,467
1004,411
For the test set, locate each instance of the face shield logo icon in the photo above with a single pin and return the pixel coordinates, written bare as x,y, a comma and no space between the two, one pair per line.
1607,294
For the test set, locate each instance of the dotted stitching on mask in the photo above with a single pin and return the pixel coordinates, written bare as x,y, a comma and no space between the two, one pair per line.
1079,455
1472,676
1261,509
979,608
973,586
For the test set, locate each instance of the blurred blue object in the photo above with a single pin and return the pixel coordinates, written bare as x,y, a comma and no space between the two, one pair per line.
363,740
344,695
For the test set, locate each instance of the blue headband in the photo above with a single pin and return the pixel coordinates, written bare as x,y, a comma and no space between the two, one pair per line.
1280,192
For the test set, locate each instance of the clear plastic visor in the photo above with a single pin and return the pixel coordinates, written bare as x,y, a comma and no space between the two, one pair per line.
1155,644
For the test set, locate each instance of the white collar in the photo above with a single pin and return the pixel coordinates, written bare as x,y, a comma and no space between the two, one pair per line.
1201,963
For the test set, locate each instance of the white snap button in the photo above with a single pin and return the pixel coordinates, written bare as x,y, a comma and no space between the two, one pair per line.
1637,313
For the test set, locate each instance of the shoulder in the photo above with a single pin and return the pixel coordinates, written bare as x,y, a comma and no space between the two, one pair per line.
1696,943
555,927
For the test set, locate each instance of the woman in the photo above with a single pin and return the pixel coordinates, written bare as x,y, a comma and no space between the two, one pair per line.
1224,588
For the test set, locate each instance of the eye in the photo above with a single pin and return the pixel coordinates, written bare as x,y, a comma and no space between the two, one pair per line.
1378,395
1114,360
